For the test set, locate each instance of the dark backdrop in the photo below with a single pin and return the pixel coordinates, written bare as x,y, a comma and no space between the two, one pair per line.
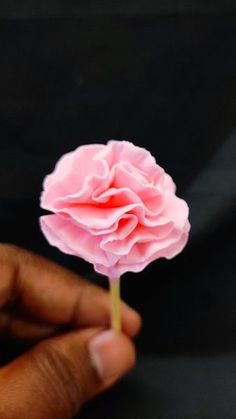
164,76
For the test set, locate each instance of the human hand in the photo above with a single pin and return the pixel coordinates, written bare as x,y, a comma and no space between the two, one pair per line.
75,356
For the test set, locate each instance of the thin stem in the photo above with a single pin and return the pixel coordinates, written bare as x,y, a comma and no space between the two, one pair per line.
115,303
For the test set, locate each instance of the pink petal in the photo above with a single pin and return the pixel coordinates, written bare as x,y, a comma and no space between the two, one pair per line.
151,196
123,226
70,173
74,240
176,209
169,252
125,151
146,251
141,234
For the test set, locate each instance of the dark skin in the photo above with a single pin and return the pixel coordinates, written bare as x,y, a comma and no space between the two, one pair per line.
63,315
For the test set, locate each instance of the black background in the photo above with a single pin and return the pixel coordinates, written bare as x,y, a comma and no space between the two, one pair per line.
164,76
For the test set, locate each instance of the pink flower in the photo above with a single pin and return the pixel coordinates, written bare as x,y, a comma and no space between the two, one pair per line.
115,207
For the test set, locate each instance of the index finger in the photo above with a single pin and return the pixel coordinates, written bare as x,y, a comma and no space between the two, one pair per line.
53,294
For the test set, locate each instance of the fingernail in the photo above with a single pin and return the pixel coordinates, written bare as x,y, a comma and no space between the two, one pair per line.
111,353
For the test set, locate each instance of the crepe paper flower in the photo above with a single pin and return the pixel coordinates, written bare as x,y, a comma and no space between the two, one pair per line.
115,207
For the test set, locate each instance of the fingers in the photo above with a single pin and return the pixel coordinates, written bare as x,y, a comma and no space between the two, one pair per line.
24,329
55,378
55,295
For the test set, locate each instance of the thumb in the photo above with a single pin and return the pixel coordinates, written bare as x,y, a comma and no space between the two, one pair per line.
59,374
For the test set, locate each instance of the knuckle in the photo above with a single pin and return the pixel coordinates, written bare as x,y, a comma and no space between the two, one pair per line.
10,250
7,250
58,375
